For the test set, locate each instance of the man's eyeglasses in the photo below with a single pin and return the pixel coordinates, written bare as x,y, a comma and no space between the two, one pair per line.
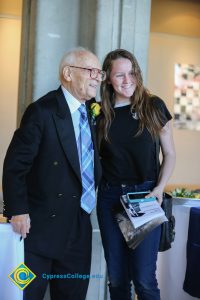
94,72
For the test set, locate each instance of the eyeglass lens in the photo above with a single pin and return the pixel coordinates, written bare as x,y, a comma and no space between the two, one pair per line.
95,72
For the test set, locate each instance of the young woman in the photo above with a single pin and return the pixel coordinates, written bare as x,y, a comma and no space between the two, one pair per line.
130,122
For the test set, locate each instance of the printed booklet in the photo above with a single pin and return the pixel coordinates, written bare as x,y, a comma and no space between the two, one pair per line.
141,210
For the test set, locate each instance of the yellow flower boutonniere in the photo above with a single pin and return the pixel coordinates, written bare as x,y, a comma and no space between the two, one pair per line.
95,110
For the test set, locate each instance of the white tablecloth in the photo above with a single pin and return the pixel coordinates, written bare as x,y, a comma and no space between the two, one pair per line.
171,265
11,255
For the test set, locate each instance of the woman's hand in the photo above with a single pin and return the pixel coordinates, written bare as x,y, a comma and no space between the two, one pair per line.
158,193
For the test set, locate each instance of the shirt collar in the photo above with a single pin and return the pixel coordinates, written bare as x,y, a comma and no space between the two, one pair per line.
73,103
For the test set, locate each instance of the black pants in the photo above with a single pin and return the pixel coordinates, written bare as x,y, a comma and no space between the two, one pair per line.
75,262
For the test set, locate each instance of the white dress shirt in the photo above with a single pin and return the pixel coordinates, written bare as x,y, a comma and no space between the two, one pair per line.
74,105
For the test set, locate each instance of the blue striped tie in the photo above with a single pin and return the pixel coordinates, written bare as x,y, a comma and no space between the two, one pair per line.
86,157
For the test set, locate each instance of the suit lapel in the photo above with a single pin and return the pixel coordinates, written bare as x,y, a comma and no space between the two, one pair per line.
65,129
97,164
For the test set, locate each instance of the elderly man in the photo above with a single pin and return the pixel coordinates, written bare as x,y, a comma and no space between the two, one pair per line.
51,170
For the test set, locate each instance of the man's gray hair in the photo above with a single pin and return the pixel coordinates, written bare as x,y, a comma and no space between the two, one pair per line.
69,58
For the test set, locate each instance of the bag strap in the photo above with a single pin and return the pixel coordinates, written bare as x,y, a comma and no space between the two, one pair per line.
157,146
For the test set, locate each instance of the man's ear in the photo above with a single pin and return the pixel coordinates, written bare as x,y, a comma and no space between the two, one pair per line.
67,73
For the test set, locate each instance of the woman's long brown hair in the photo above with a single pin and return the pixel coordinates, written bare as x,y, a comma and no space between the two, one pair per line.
141,101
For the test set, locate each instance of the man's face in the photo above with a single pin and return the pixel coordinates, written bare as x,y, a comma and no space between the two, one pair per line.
79,83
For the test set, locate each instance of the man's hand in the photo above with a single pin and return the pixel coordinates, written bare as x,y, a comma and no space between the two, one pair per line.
21,224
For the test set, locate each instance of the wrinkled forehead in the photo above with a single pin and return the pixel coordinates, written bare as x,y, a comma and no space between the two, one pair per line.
87,59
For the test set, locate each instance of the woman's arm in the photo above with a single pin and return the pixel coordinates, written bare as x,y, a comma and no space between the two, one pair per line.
168,162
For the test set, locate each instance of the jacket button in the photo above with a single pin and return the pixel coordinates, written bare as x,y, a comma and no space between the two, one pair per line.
74,196
55,163
60,195
53,216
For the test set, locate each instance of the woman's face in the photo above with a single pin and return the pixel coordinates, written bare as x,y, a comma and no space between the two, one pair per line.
122,79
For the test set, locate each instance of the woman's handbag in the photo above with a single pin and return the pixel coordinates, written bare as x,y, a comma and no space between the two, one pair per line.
167,228
133,236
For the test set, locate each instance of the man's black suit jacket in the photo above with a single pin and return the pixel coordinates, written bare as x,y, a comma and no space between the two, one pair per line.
41,174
